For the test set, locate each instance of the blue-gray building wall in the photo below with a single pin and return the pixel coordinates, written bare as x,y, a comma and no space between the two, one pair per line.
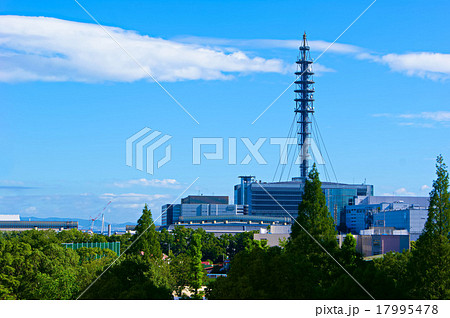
411,219
173,213
408,213
289,195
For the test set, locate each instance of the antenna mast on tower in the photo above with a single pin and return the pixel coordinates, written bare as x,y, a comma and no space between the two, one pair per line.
304,89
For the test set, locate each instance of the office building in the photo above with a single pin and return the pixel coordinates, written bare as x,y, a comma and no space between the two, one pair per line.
265,198
198,208
401,213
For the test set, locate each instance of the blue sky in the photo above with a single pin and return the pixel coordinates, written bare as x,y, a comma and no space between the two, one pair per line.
70,96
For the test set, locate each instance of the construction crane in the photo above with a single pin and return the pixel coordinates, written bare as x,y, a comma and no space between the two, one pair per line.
102,214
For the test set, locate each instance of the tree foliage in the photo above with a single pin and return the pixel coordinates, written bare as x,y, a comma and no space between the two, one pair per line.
431,257
195,252
146,237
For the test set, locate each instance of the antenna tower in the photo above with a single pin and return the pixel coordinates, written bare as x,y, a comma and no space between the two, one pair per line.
304,90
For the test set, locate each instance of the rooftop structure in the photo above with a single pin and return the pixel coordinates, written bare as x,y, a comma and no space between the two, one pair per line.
220,228
205,199
175,213
419,201
401,213
37,225
9,217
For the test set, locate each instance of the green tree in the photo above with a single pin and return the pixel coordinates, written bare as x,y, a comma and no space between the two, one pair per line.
313,270
239,242
181,237
313,216
255,274
166,240
133,277
430,263
146,237
197,272
349,255
180,269
124,239
211,247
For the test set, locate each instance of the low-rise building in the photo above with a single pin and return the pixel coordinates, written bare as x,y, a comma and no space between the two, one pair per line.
274,235
199,207
401,213
13,223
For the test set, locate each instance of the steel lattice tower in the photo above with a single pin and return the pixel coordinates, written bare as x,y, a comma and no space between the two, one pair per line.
304,89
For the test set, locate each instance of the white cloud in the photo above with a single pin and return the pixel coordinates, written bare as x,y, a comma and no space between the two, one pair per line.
400,192
424,64
30,210
440,116
165,183
431,65
49,49
425,187
11,183
423,119
315,45
403,191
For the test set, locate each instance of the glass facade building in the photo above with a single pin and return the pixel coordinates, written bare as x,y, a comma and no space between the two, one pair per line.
174,213
261,197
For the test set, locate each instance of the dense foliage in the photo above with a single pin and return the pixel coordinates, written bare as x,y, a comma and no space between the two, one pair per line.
34,264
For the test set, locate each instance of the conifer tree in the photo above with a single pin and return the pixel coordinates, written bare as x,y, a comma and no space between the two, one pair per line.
147,243
312,270
430,264
195,252
313,215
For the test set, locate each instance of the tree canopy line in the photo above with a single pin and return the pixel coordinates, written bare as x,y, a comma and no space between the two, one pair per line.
158,265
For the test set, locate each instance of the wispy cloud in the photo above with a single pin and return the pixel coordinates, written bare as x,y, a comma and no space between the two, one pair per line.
232,44
165,183
403,191
400,192
430,65
14,185
439,116
49,49
423,119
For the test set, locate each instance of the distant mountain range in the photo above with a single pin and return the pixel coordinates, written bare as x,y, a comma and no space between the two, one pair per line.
84,224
